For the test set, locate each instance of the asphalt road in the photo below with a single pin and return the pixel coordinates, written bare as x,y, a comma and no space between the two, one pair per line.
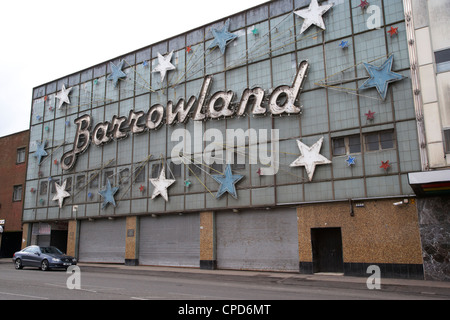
142,283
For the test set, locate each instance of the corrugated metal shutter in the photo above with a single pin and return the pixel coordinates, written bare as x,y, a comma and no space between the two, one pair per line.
102,241
43,241
258,240
170,241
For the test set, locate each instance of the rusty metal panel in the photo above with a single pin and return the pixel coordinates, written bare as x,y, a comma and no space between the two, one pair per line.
258,240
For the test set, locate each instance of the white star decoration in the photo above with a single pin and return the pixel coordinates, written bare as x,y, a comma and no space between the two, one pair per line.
161,184
164,65
310,157
61,193
63,96
313,15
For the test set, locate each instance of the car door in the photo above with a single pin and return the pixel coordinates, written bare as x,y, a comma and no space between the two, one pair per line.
35,257
25,255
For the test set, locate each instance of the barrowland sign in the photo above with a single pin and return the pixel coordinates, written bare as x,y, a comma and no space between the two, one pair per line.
282,101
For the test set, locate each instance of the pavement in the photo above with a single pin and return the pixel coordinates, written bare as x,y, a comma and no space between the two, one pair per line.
285,277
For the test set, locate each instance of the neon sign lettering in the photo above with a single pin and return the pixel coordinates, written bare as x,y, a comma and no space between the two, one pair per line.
281,101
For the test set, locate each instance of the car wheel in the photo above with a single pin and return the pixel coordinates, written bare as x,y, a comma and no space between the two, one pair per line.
44,265
18,264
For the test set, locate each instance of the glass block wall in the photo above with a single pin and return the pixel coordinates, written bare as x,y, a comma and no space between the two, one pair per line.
266,53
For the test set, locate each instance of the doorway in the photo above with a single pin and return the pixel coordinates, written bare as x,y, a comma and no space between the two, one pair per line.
327,250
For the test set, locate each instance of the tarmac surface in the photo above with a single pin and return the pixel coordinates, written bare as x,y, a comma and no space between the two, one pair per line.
415,288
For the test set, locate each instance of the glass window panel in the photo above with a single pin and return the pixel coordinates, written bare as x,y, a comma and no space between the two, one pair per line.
139,174
54,185
156,168
372,143
43,188
176,169
69,184
339,147
93,180
387,140
195,168
354,144
447,140
17,196
80,181
124,176
108,175
21,155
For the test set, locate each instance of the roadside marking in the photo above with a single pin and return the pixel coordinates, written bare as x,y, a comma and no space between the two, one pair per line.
23,295
65,287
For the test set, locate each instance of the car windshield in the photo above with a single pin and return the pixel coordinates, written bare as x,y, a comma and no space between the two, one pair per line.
51,250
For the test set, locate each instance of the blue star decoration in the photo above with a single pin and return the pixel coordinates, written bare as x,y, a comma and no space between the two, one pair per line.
40,151
117,73
227,182
380,77
108,195
344,44
222,37
351,161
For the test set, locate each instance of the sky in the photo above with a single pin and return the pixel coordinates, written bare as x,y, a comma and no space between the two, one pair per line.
41,41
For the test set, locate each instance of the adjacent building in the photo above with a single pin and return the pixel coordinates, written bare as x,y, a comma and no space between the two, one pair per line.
428,25
13,166
279,138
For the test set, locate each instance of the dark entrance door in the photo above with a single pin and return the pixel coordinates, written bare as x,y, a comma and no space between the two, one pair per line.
11,242
58,239
327,250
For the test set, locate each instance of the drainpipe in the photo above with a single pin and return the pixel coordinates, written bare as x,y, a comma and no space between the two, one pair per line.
418,103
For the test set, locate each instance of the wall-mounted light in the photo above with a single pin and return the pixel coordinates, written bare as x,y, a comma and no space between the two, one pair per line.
400,203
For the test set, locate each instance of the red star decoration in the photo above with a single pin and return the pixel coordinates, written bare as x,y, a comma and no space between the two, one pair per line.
188,49
370,115
141,188
393,31
259,172
385,165
364,4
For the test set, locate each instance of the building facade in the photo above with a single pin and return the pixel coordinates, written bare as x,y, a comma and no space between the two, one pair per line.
430,54
279,138
13,166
